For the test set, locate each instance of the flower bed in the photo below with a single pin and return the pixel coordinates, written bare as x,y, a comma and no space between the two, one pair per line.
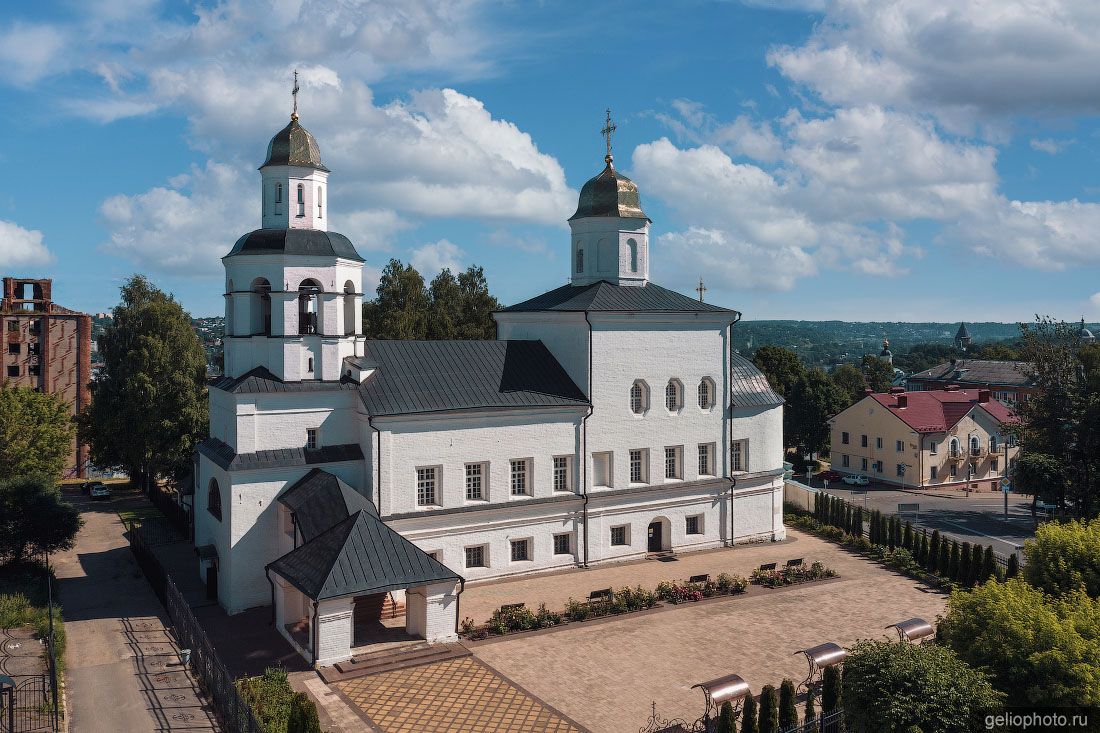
791,575
725,585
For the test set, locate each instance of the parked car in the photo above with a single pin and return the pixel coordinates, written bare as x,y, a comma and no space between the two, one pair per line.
857,480
829,475
100,491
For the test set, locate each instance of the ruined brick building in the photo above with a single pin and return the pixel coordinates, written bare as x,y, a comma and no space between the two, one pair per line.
48,348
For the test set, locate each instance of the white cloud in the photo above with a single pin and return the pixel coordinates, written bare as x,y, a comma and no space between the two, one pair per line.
431,259
31,51
1095,299
1048,145
21,247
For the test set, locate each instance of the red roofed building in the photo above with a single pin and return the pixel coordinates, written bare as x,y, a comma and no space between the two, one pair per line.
926,439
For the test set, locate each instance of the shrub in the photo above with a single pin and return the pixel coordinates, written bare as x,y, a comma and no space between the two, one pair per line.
1065,557
748,716
788,713
975,564
467,626
965,556
769,710
831,689
270,697
989,565
943,562
933,559
907,536
953,562
577,610
546,618
811,713
1013,567
727,723
303,715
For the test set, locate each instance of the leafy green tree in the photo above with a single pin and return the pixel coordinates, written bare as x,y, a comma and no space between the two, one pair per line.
476,318
878,374
1065,557
1037,649
401,310
891,686
33,518
788,712
149,409
811,401
769,710
831,690
448,308
781,366
727,721
849,380
1040,476
748,716
924,356
445,308
36,432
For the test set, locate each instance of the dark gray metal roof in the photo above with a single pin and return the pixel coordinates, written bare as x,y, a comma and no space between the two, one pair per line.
294,145
313,242
316,502
609,193
979,371
605,296
260,380
962,333
436,376
359,555
224,455
748,385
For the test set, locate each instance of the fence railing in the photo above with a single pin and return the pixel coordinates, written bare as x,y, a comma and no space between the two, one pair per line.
179,517
831,722
234,714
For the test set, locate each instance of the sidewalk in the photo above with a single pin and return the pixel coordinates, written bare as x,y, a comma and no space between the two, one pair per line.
122,665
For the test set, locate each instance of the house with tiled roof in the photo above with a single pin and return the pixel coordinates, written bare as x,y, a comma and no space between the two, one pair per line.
1010,381
951,438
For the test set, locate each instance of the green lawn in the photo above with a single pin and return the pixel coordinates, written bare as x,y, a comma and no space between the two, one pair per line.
136,514
24,601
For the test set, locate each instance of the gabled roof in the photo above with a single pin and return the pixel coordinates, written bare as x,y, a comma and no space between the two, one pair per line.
940,410
608,297
261,380
357,556
317,503
434,376
748,385
224,455
980,371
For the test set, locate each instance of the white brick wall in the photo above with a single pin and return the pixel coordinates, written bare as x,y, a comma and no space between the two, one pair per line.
334,630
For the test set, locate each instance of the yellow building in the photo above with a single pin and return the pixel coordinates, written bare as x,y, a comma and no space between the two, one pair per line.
925,439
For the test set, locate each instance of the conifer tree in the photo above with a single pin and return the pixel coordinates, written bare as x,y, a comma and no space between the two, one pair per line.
1013,567
811,712
989,565
907,537
934,551
954,561
788,713
975,564
748,716
965,555
727,723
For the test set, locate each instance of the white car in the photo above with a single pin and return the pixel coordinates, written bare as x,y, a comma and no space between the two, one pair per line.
858,480
100,491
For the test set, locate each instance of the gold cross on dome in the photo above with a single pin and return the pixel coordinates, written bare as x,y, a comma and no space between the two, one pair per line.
294,93
608,128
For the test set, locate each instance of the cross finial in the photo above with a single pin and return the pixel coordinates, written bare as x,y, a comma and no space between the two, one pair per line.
608,128
294,93
701,289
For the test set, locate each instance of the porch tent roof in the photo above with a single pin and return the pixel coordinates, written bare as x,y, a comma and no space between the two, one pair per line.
357,556
316,502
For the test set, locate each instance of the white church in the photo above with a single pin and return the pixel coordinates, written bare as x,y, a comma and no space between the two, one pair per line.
610,420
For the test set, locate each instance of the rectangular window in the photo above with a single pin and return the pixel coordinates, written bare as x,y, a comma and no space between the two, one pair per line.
563,474
601,469
932,447
900,446
993,466
877,466
14,348
737,456
863,441
954,470
706,459
618,536
426,482
475,481
878,443
521,485
844,438
935,472
845,461
694,525
311,438
637,466
863,464
436,555
13,326
672,462
475,557
563,544
13,371
900,470
521,550
34,370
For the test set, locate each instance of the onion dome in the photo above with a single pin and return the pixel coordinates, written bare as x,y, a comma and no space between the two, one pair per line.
294,145
610,194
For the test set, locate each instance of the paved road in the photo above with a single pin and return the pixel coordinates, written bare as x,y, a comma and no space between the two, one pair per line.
123,670
977,518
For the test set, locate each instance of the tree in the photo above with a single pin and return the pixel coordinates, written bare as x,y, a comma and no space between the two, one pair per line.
989,565
943,561
934,551
33,518
149,409
831,695
303,715
925,550
907,536
891,686
36,432
476,319
811,713
781,366
788,713
769,710
878,374
1037,649
1040,476
445,307
748,716
1063,558
965,556
401,309
955,561
811,401
975,564
727,721
849,380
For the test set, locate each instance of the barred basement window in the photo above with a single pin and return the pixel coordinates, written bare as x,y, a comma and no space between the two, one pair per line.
520,484
562,474
425,486
563,544
618,536
475,477
521,550
693,526
475,557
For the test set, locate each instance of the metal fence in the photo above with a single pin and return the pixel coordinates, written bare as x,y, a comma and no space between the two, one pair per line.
234,714
178,516
831,722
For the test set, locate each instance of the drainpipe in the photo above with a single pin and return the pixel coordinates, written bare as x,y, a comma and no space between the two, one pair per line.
584,443
458,603
271,582
377,463
728,423
316,634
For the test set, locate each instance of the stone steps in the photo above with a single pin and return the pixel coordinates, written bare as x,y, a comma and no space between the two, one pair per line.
390,660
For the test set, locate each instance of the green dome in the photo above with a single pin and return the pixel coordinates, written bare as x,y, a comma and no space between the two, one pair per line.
294,145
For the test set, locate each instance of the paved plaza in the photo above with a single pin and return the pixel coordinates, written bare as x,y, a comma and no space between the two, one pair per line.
605,675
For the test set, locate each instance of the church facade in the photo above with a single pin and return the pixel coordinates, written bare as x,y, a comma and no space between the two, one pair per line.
609,420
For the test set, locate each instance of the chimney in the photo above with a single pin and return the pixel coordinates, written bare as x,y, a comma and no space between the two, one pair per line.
868,391
903,401
897,390
983,396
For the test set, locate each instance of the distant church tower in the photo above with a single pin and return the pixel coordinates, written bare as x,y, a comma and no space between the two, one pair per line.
962,338
294,290
610,231
886,355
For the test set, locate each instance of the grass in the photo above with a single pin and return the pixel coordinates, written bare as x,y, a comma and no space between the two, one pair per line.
137,514
24,602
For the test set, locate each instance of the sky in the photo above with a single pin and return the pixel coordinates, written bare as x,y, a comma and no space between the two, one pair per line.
910,160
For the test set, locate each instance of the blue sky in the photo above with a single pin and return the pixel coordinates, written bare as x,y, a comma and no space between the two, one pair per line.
897,160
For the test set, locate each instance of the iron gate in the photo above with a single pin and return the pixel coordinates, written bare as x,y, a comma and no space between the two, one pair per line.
26,707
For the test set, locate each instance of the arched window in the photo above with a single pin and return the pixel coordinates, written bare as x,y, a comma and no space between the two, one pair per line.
953,447
301,200
706,393
278,198
309,365
580,259
320,198
350,320
993,444
633,247
975,445
638,397
260,307
229,308
674,395
309,295
214,499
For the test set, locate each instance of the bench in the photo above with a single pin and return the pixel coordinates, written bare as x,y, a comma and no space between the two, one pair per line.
603,595
797,563
510,607
767,566
704,578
